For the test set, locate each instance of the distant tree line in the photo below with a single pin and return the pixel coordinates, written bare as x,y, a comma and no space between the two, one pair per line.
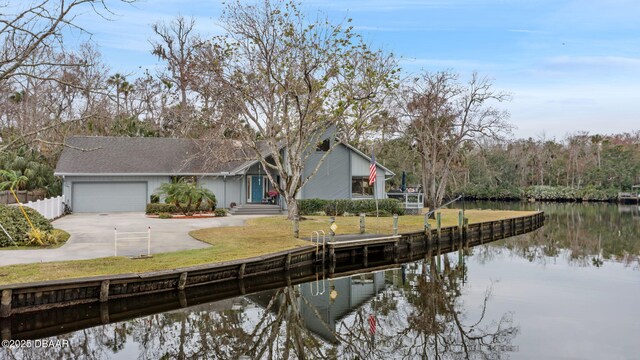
280,78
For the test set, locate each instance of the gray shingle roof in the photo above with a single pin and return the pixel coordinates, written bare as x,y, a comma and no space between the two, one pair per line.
129,155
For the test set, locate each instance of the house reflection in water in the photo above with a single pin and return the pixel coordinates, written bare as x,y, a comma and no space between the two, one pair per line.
319,312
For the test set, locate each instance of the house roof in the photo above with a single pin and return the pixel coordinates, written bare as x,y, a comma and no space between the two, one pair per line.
85,155
106,155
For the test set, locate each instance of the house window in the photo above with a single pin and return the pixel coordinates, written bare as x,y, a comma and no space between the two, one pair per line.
360,186
324,145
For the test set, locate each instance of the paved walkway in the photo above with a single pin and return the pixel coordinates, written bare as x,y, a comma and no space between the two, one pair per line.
92,236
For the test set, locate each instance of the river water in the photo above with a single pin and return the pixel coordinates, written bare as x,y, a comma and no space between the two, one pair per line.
570,290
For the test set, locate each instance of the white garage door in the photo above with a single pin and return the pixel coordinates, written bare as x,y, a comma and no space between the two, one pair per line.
109,197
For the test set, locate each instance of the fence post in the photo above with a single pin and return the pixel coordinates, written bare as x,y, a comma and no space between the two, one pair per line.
395,224
115,241
362,229
149,241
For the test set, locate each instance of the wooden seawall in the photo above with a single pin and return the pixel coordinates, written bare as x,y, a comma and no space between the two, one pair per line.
32,297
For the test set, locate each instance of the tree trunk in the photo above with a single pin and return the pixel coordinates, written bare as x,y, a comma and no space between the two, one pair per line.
292,207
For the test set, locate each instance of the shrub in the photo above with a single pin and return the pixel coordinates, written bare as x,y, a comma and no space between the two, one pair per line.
337,207
492,192
591,193
157,208
164,215
17,226
311,206
208,205
41,238
386,207
544,192
187,196
155,198
220,212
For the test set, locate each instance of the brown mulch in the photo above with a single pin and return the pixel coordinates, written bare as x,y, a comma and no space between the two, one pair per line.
180,216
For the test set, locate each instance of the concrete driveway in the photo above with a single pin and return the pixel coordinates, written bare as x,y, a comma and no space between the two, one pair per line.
92,236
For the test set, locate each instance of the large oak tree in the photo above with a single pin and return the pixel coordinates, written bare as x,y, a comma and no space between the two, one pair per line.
289,78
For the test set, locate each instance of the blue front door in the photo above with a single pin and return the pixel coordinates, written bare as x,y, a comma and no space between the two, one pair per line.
256,189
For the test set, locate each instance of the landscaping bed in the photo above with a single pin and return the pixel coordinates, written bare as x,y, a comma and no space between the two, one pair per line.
35,233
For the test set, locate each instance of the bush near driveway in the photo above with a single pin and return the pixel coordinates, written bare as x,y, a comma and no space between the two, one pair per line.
17,226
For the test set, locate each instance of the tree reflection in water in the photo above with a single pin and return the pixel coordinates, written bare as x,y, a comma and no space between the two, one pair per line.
420,316
427,320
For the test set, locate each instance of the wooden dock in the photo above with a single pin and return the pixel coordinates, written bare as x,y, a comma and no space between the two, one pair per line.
358,253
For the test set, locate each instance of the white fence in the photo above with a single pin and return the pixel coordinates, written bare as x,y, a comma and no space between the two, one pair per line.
50,208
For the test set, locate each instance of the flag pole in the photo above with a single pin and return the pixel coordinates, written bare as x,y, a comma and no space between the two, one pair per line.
373,174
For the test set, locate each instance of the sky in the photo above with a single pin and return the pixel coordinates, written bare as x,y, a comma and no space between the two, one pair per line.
570,65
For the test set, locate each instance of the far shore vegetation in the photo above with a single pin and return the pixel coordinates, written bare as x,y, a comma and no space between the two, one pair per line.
258,237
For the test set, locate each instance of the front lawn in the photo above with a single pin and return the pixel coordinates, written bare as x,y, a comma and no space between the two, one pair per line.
259,236
263,230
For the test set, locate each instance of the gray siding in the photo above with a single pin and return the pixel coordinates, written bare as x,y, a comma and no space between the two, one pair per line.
153,183
332,181
224,194
360,167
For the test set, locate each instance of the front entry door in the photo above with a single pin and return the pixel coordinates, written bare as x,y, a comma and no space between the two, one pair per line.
256,189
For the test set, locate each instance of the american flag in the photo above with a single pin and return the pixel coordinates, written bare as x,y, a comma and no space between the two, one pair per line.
372,170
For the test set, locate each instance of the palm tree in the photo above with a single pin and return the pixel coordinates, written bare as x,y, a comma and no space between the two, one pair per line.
13,180
116,80
184,194
126,88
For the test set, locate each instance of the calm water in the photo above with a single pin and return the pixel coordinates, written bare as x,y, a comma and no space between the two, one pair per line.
568,291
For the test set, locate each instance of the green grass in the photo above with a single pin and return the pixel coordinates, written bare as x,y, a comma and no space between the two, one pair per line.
258,237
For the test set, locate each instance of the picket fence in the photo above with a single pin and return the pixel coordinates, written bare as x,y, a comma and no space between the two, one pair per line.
51,208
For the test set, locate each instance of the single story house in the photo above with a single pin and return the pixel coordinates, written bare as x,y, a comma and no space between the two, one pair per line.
120,174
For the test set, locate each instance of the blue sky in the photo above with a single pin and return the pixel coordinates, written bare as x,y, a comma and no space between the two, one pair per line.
570,65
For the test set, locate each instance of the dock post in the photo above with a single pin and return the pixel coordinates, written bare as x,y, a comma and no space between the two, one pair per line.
438,262
395,224
460,223
182,282
296,227
365,255
104,290
182,299
465,230
439,226
362,215
104,313
5,303
332,234
5,329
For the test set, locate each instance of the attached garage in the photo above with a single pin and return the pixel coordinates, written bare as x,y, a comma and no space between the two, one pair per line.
109,197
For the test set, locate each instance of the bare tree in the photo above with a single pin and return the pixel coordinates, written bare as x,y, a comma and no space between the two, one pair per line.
32,54
290,79
441,115
36,24
176,46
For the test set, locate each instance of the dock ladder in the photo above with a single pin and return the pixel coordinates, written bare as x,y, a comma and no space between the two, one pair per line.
315,238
